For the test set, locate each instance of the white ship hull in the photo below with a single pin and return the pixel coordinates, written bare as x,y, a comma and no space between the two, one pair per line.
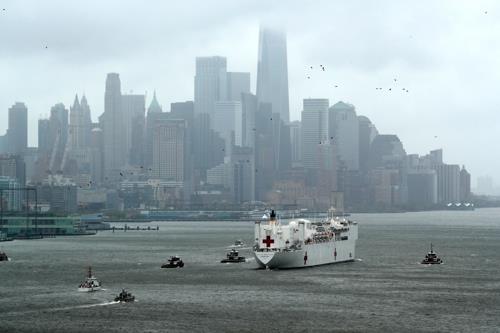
308,256
302,243
88,290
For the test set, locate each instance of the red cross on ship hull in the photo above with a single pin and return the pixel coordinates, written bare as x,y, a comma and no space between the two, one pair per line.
268,241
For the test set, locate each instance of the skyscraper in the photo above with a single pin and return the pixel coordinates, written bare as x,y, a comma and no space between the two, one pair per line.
44,144
154,113
17,133
96,156
79,124
344,129
242,175
386,151
210,83
113,125
367,133
314,130
448,180
185,111
227,120
248,111
3,143
169,150
58,137
272,72
465,193
296,141
237,84
133,108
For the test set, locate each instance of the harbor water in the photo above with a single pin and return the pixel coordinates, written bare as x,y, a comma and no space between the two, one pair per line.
384,290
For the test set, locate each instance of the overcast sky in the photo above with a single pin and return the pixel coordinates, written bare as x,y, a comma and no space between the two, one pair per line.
446,53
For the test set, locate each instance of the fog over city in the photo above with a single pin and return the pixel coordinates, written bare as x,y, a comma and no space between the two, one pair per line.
445,54
249,165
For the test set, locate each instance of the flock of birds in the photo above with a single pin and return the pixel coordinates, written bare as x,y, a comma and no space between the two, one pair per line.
323,69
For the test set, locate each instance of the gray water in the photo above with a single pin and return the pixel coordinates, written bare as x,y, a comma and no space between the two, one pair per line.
385,290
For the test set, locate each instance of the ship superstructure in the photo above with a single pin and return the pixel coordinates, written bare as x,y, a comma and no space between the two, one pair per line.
303,243
90,284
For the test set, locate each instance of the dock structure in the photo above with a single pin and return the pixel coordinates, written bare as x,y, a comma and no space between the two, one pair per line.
136,228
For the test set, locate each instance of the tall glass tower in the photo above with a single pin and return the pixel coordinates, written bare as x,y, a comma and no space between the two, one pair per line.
272,72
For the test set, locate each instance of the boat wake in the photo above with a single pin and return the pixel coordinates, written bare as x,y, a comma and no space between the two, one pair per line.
359,259
65,308
229,247
83,306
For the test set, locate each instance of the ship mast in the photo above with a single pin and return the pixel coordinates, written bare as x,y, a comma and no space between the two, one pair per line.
272,217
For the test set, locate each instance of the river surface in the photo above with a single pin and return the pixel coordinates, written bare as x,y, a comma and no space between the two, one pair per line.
385,290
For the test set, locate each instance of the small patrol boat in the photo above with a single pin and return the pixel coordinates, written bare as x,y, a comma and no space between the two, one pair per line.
124,297
90,284
431,258
238,243
173,262
3,256
233,257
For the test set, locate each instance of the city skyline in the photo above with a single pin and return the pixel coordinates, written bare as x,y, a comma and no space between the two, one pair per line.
439,83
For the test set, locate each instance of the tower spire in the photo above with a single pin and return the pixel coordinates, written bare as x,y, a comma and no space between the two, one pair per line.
154,107
76,103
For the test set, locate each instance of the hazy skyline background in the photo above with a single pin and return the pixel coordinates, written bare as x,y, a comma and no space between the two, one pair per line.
445,53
